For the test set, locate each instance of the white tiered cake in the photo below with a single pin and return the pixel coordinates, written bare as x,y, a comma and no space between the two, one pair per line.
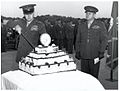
47,59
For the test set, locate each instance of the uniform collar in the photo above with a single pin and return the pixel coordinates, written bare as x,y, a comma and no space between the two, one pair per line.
28,23
90,22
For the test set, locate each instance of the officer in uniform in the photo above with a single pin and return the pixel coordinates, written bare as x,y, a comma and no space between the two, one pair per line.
91,42
69,34
31,29
59,34
48,28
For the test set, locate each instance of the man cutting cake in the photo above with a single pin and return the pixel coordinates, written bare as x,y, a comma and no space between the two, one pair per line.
30,30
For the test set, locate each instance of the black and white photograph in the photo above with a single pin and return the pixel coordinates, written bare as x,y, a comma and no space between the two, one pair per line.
59,45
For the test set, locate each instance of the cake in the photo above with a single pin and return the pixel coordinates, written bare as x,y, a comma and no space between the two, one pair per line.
47,59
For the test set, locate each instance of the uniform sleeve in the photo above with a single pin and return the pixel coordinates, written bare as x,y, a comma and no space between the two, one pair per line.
103,38
13,23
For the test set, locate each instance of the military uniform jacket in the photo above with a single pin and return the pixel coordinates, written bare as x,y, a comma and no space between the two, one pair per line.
90,43
69,31
49,30
59,32
32,32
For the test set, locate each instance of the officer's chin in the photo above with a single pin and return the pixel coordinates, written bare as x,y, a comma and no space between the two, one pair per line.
87,18
29,20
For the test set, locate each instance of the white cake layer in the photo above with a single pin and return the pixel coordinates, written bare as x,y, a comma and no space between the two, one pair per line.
46,49
43,69
50,60
46,69
35,55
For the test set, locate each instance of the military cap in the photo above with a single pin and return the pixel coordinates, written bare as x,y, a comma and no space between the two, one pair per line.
28,9
68,20
90,9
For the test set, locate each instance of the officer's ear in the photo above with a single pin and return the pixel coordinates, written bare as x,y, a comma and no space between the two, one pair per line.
94,14
33,14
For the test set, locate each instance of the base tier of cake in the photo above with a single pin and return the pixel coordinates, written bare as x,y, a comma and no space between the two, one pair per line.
47,68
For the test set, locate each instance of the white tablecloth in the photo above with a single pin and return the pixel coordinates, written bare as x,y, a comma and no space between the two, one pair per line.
64,81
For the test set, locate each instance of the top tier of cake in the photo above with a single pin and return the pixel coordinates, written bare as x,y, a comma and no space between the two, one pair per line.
45,50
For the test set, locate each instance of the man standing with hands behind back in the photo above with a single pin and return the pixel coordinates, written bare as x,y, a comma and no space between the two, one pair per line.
91,42
31,29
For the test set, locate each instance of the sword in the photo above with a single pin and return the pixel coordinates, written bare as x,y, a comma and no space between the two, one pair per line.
28,42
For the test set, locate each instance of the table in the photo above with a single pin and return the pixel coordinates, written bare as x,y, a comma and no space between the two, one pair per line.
72,81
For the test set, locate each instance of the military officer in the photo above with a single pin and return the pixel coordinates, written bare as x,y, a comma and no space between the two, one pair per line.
31,29
69,33
48,28
59,34
91,42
